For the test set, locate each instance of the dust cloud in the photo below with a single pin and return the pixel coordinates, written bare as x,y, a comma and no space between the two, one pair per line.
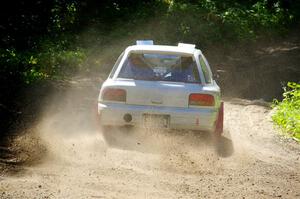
68,131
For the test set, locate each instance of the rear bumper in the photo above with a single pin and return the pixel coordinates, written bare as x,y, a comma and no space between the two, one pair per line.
180,118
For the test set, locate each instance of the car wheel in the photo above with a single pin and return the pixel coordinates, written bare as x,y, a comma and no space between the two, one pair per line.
114,135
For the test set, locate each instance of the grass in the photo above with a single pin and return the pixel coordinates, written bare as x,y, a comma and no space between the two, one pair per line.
287,113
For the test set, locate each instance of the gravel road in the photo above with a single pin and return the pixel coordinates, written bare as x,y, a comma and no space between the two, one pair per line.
67,157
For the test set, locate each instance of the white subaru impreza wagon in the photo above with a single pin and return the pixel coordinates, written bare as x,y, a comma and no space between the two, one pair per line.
159,86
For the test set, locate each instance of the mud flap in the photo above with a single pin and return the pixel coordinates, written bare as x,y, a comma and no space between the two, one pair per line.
220,120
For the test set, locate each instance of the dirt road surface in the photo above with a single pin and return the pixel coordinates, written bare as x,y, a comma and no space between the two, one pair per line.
67,157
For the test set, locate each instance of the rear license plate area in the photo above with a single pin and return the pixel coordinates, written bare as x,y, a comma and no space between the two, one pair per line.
156,121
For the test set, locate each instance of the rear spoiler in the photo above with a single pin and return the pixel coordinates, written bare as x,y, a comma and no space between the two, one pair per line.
144,42
193,46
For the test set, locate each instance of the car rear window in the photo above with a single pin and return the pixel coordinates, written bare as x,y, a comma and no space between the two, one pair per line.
205,70
160,67
116,65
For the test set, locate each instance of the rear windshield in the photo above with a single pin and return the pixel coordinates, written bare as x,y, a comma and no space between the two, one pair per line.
160,67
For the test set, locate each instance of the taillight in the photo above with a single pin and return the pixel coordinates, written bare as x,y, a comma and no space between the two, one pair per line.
196,99
114,94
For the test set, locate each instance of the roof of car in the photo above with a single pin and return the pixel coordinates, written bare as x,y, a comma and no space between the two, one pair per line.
163,48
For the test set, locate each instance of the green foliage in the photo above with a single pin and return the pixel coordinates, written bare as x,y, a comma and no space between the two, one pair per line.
64,15
246,22
59,59
43,42
287,114
11,62
51,60
210,21
33,75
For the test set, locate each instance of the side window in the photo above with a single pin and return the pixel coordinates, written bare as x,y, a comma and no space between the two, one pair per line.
205,70
116,65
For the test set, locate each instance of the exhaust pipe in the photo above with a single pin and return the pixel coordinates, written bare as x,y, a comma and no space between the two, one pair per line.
127,117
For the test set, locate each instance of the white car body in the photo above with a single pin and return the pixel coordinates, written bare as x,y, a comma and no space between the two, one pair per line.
167,101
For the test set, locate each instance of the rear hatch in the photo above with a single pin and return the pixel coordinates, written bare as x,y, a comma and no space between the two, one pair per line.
157,93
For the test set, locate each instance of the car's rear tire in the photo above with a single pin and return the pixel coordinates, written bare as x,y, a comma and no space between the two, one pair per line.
108,134
114,135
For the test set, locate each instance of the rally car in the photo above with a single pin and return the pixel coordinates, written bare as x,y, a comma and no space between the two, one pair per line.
164,87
